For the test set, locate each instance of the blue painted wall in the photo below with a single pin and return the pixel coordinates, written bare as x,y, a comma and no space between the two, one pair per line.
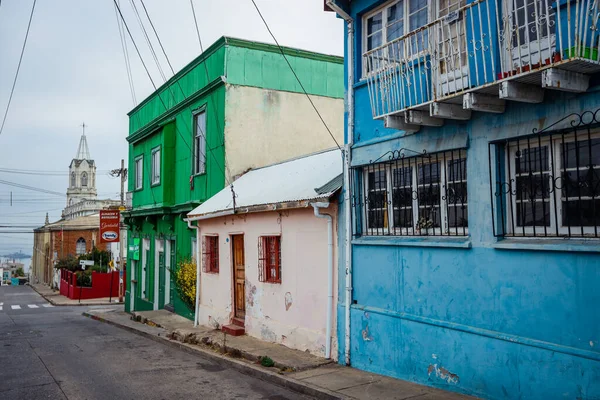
466,315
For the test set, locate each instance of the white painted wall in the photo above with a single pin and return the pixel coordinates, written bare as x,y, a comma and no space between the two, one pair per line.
263,127
302,324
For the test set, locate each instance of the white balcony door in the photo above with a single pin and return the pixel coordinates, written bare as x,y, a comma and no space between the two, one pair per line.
452,57
532,36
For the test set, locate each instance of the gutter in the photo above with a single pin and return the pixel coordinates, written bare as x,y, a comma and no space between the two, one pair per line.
347,161
317,207
198,269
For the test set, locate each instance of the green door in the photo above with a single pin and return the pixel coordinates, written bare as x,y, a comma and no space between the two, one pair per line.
162,271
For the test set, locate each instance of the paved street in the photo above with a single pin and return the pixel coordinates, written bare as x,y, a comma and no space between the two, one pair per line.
56,353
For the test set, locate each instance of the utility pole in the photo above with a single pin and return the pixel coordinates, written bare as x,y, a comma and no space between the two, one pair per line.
122,172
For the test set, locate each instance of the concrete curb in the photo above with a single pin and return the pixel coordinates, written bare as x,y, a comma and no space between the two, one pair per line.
241,366
49,300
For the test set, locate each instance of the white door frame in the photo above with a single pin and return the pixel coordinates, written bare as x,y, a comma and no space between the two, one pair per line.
168,244
159,245
145,246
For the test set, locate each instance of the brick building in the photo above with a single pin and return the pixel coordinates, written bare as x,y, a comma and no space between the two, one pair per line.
61,239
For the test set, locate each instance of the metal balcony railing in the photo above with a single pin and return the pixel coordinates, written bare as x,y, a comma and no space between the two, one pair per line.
478,46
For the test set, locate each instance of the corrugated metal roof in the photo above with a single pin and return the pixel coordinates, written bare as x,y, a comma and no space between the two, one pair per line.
289,181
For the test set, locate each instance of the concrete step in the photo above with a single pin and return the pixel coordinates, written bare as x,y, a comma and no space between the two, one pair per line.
233,330
238,321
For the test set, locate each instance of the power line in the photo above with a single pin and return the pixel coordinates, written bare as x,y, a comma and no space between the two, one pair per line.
33,188
160,70
18,68
294,72
40,172
123,41
196,23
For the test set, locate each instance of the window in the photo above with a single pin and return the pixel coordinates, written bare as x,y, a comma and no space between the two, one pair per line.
200,143
394,20
550,187
269,259
73,179
194,249
84,179
424,195
156,166
210,254
139,172
80,246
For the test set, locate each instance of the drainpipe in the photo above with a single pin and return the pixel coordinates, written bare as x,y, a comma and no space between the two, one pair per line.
317,207
347,155
198,248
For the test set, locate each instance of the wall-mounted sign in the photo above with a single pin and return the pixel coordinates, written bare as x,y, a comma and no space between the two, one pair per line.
109,226
134,249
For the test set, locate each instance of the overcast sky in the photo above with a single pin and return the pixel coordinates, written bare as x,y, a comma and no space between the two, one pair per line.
73,71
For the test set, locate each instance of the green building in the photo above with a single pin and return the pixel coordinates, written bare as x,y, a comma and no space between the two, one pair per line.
236,107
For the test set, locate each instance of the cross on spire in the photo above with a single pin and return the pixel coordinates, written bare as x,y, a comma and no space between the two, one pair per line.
83,153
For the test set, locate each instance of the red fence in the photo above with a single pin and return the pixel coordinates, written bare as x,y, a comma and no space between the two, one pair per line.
101,286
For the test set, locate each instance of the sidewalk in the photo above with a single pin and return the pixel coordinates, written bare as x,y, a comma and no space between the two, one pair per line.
297,370
56,299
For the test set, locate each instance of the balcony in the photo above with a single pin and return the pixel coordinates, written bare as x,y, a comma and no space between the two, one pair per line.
480,56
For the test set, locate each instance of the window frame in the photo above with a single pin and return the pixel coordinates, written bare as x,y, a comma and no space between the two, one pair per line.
555,196
199,169
82,241
383,9
153,181
264,267
210,259
138,163
444,229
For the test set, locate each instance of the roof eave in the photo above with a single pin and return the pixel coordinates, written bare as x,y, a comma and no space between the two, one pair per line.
287,205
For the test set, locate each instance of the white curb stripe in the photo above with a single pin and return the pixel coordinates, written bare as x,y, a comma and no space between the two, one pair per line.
47,305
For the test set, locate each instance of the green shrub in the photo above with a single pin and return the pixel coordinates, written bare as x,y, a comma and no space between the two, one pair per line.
267,361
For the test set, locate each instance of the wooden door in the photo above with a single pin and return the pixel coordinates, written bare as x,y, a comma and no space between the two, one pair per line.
161,280
239,276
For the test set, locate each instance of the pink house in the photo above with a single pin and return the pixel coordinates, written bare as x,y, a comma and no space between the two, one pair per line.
266,254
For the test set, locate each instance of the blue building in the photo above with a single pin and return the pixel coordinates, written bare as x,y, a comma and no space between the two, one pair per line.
472,261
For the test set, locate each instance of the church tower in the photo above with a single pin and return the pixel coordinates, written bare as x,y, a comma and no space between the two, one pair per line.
82,175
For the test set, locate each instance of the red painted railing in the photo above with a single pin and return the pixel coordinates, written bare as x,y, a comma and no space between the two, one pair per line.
101,285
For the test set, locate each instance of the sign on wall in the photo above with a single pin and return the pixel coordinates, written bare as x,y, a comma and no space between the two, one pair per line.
109,226
134,248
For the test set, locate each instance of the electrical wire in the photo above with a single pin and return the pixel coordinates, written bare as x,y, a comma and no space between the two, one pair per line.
33,188
18,68
160,70
123,41
294,72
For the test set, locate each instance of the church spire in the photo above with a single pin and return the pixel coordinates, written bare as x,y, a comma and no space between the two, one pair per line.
83,153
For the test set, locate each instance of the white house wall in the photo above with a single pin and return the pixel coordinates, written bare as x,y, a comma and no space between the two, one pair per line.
292,313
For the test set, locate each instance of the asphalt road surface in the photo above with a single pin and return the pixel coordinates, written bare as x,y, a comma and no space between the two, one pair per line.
55,353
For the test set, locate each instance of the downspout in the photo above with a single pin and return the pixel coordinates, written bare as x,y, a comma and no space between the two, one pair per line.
198,269
347,160
317,207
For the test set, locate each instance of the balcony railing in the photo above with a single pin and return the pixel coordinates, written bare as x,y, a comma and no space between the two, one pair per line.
481,45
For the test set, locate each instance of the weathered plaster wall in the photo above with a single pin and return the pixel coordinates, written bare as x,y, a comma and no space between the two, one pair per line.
292,313
519,322
264,126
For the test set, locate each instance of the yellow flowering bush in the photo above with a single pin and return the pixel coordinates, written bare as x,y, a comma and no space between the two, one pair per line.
185,281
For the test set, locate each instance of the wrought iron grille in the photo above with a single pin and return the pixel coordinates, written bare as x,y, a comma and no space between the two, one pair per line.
210,254
548,183
423,195
269,259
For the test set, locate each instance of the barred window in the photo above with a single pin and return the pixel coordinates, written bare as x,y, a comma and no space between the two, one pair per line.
424,195
549,185
210,254
269,259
